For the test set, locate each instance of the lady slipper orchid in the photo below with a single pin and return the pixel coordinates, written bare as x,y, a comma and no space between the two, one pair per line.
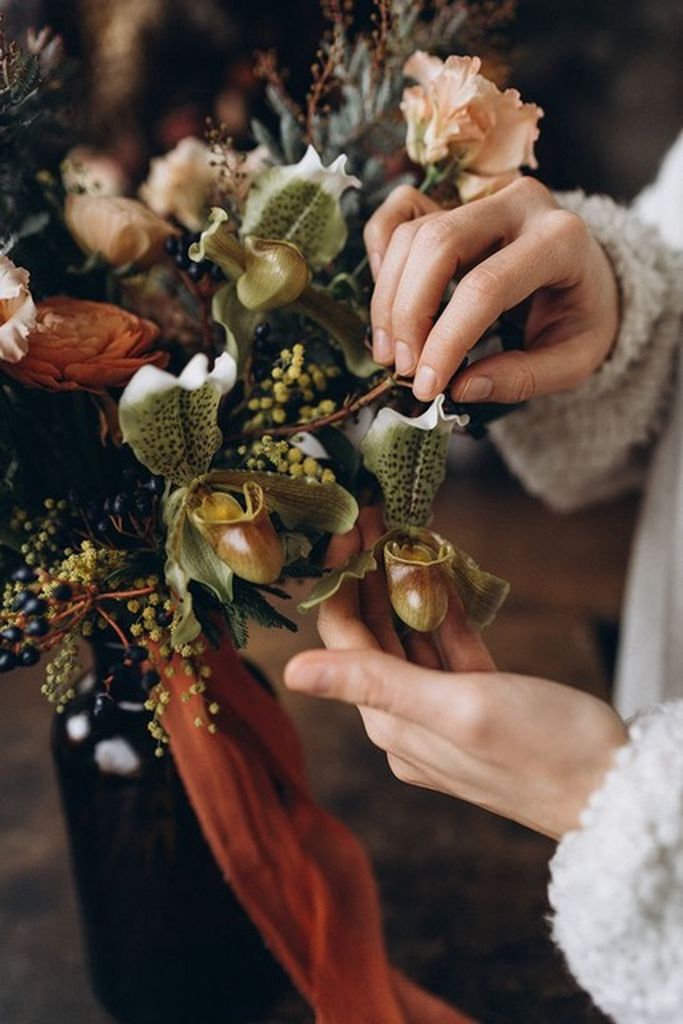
243,538
17,311
418,584
275,274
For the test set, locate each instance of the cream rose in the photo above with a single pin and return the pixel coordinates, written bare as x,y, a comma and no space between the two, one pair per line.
179,184
17,311
122,231
454,112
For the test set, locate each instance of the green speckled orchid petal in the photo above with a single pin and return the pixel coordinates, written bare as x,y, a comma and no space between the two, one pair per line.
408,457
171,422
300,204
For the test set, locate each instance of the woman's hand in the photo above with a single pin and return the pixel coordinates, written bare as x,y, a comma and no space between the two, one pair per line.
503,249
524,748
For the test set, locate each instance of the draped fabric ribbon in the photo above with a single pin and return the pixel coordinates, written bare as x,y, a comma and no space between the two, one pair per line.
302,877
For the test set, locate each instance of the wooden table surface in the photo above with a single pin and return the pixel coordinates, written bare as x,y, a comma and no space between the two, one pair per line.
463,892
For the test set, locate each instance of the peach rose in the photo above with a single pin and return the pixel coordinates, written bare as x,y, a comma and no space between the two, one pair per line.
77,344
179,184
17,311
454,112
122,231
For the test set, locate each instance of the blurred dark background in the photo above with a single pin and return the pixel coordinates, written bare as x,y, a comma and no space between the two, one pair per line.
607,72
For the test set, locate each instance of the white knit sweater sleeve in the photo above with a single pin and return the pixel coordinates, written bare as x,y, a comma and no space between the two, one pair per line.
593,442
617,882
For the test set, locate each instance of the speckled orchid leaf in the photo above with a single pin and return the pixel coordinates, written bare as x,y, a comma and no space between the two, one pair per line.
171,422
239,323
355,568
300,203
481,593
189,557
408,457
300,503
344,326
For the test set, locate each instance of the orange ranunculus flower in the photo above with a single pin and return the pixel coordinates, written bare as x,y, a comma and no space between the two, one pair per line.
82,345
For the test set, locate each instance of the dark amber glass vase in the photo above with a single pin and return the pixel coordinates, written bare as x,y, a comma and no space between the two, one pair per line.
167,941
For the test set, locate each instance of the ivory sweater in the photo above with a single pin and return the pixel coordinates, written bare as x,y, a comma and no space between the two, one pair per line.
617,882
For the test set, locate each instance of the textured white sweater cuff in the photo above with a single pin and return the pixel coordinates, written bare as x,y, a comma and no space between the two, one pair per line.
584,445
617,882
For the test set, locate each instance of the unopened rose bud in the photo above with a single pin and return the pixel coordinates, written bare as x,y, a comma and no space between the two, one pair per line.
418,581
244,538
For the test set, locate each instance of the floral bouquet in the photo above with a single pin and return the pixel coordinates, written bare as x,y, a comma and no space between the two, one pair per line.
189,409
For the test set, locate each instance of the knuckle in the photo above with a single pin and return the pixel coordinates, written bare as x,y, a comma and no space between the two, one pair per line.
529,190
566,228
482,284
433,234
474,722
404,233
521,381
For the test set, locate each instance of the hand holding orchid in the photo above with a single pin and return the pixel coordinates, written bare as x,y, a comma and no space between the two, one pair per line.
525,748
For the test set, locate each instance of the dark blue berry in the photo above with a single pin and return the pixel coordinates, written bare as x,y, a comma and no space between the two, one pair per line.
197,270
183,261
62,592
216,273
120,505
12,634
136,654
142,504
8,661
37,627
34,605
106,506
102,526
261,331
164,618
29,656
172,244
24,574
103,706
149,679
20,601
156,485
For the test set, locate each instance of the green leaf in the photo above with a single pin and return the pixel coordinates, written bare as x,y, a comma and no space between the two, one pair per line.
308,504
344,326
355,568
171,422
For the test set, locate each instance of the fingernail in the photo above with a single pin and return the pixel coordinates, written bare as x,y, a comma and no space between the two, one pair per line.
477,389
308,676
425,385
375,259
405,360
381,346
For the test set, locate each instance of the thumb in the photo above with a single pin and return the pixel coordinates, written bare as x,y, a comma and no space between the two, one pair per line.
371,679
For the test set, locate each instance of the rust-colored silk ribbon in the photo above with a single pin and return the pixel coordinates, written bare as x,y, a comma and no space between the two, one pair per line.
302,877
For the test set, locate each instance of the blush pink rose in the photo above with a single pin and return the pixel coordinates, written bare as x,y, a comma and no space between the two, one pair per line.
456,113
